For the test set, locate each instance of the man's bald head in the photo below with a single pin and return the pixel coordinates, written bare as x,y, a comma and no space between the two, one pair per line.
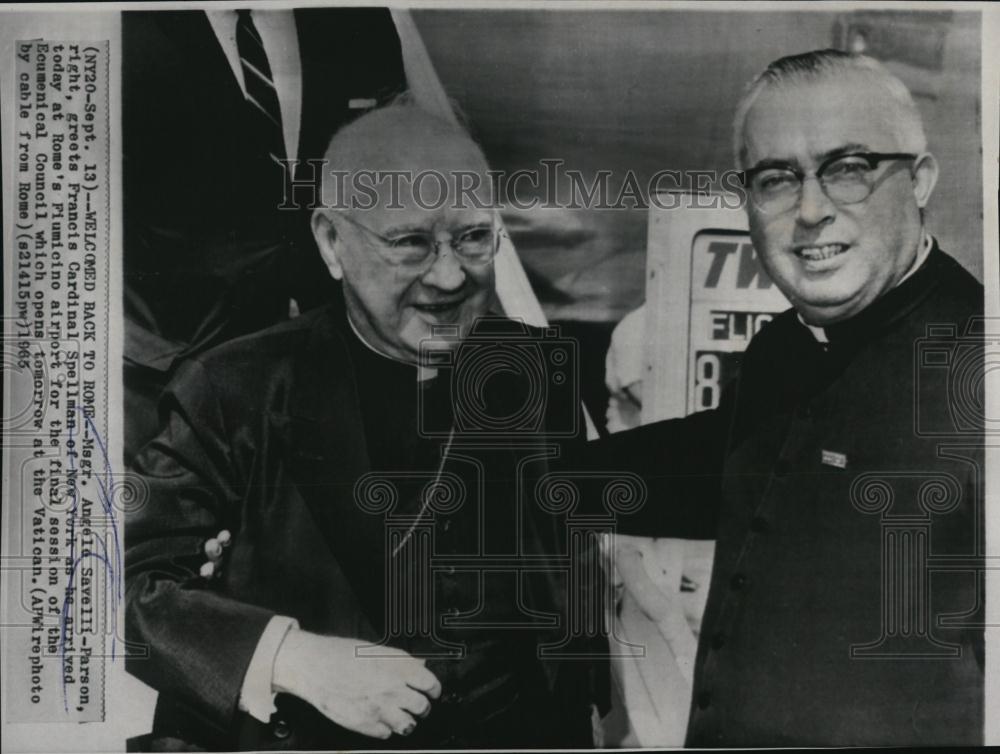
400,136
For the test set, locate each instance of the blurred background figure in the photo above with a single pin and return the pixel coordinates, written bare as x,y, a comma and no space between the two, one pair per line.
623,372
661,583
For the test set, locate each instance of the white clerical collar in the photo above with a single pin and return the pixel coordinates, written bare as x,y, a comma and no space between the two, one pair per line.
926,244
423,373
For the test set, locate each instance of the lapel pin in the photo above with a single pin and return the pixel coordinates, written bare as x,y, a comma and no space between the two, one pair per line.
833,458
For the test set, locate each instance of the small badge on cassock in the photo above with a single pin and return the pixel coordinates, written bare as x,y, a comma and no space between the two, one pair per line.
833,458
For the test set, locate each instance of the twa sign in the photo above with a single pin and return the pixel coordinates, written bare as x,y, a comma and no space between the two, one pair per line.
729,265
707,295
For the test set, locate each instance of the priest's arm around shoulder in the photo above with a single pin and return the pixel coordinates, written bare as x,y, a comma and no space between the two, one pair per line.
829,436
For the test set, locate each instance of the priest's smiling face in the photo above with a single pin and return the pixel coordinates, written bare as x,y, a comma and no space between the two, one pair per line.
833,259
396,303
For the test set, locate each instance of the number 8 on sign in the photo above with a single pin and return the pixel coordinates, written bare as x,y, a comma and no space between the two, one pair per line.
707,372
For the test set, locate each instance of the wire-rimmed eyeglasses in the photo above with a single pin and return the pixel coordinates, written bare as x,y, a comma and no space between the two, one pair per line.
416,250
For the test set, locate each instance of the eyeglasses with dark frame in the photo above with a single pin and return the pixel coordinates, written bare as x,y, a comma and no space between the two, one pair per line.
844,178
415,251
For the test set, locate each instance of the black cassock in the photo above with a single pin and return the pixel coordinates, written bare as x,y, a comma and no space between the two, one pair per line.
283,438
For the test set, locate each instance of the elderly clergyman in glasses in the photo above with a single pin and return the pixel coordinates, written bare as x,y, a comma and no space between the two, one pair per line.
307,572
841,474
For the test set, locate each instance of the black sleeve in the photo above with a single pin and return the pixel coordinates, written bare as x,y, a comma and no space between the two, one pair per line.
199,640
679,463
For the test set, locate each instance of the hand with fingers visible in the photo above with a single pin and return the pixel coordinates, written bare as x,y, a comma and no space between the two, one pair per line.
375,696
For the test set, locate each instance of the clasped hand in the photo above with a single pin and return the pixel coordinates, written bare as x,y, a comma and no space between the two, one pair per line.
375,696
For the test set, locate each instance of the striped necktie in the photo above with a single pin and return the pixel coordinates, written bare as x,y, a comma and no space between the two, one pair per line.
261,94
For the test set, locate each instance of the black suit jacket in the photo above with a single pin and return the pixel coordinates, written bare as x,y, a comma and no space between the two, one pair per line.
208,254
263,437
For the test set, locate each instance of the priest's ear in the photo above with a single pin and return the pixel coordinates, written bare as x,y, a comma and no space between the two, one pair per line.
925,175
328,241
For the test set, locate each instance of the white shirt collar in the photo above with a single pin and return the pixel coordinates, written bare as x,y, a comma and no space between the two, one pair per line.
423,373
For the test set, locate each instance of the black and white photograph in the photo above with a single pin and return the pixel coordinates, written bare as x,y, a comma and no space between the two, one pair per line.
485,376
